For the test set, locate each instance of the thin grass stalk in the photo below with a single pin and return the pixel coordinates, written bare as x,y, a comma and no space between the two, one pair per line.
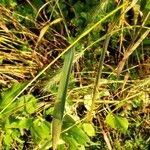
129,51
134,44
99,73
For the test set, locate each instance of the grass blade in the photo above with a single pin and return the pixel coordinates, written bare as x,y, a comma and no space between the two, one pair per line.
60,102
45,28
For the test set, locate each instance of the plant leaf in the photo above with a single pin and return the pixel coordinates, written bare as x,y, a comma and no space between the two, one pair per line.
117,122
89,129
148,5
30,103
60,102
72,131
40,130
7,97
45,28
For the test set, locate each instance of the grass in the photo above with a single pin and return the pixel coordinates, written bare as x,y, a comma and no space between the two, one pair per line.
99,99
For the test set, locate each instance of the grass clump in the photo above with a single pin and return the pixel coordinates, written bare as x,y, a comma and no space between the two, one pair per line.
74,74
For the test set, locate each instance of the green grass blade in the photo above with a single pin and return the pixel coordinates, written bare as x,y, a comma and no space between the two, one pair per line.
60,101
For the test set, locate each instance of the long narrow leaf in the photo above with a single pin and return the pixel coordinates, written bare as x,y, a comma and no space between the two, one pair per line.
60,102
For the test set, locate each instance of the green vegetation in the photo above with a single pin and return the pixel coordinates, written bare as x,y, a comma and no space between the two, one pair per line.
75,75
